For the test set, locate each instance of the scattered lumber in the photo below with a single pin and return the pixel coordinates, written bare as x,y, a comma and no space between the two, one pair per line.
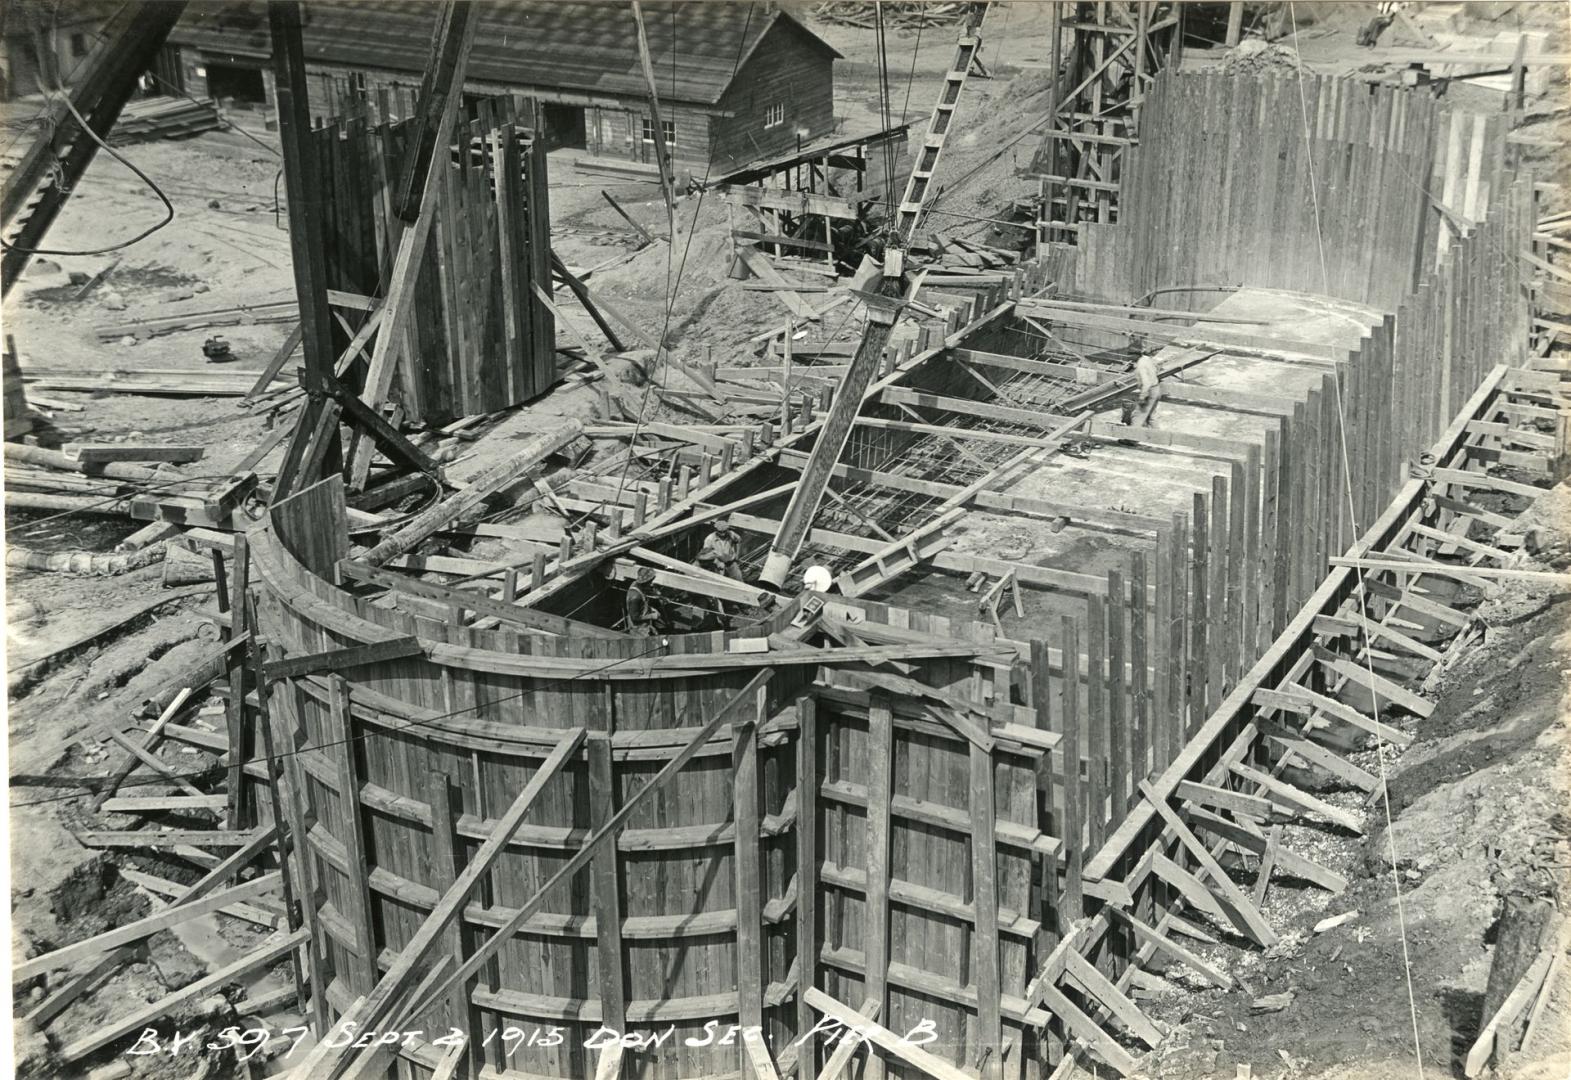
272,951
281,311
648,238
54,459
142,928
151,381
531,453
98,455
783,289
164,118
162,804
1524,946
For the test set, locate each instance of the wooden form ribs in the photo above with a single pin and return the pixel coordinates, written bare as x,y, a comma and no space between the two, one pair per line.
1325,684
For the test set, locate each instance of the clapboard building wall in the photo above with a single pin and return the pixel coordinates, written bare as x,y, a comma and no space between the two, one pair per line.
737,81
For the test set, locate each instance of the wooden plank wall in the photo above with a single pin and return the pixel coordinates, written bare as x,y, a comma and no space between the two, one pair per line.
480,339
1227,575
907,913
1219,189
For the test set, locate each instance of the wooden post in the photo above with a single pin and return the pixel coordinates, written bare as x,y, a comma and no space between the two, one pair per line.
606,875
446,861
1198,611
341,740
1096,718
745,795
807,787
984,899
1119,764
1074,797
875,917
275,783
237,814
1235,22
305,868
1139,713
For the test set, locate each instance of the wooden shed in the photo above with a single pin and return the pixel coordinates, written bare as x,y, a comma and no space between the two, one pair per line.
737,81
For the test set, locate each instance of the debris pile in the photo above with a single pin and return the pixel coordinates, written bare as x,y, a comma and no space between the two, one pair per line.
904,15
1256,57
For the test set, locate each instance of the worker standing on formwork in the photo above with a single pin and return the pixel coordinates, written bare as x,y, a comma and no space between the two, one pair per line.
1148,389
640,617
721,553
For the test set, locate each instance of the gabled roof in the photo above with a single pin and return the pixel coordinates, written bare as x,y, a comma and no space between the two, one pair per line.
588,45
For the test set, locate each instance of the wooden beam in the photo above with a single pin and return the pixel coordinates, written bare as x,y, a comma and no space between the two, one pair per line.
1150,936
479,603
482,486
340,745
984,897
1288,861
1198,337
1294,800
447,857
1081,1026
141,928
1253,923
1379,685
807,792
1483,1047
339,660
1235,802
251,844
1313,753
875,912
1306,702
745,811
605,876
1100,987
662,155
845,1046
102,1035
885,1040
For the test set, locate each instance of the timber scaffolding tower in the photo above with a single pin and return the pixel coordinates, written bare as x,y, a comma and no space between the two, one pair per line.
1105,57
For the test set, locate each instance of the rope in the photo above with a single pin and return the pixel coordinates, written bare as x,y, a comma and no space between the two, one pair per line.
1363,600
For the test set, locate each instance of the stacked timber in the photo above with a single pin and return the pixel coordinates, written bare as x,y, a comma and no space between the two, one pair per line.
164,118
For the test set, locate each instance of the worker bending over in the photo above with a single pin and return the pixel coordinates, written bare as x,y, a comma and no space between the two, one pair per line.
640,617
721,552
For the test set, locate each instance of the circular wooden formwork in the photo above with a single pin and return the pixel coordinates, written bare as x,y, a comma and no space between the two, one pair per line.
475,715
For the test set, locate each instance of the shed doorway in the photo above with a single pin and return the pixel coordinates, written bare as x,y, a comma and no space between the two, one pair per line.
564,126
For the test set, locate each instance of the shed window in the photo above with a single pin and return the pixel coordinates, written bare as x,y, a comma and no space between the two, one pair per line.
78,44
668,127
774,115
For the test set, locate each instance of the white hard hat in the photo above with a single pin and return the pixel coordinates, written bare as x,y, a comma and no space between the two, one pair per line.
817,578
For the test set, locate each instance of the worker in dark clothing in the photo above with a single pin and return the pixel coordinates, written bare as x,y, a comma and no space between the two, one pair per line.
721,552
640,617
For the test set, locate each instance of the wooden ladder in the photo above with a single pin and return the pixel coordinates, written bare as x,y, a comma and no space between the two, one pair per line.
911,203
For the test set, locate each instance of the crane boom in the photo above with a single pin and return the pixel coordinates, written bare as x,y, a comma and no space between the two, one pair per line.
883,309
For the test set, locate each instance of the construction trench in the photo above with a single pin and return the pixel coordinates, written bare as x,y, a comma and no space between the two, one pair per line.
1083,700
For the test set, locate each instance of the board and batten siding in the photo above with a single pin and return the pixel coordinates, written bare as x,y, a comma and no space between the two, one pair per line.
789,67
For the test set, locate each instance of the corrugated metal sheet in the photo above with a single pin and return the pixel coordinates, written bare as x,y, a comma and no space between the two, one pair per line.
584,46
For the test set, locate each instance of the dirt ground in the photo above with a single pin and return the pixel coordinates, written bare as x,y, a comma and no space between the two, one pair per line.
1479,807
1479,796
